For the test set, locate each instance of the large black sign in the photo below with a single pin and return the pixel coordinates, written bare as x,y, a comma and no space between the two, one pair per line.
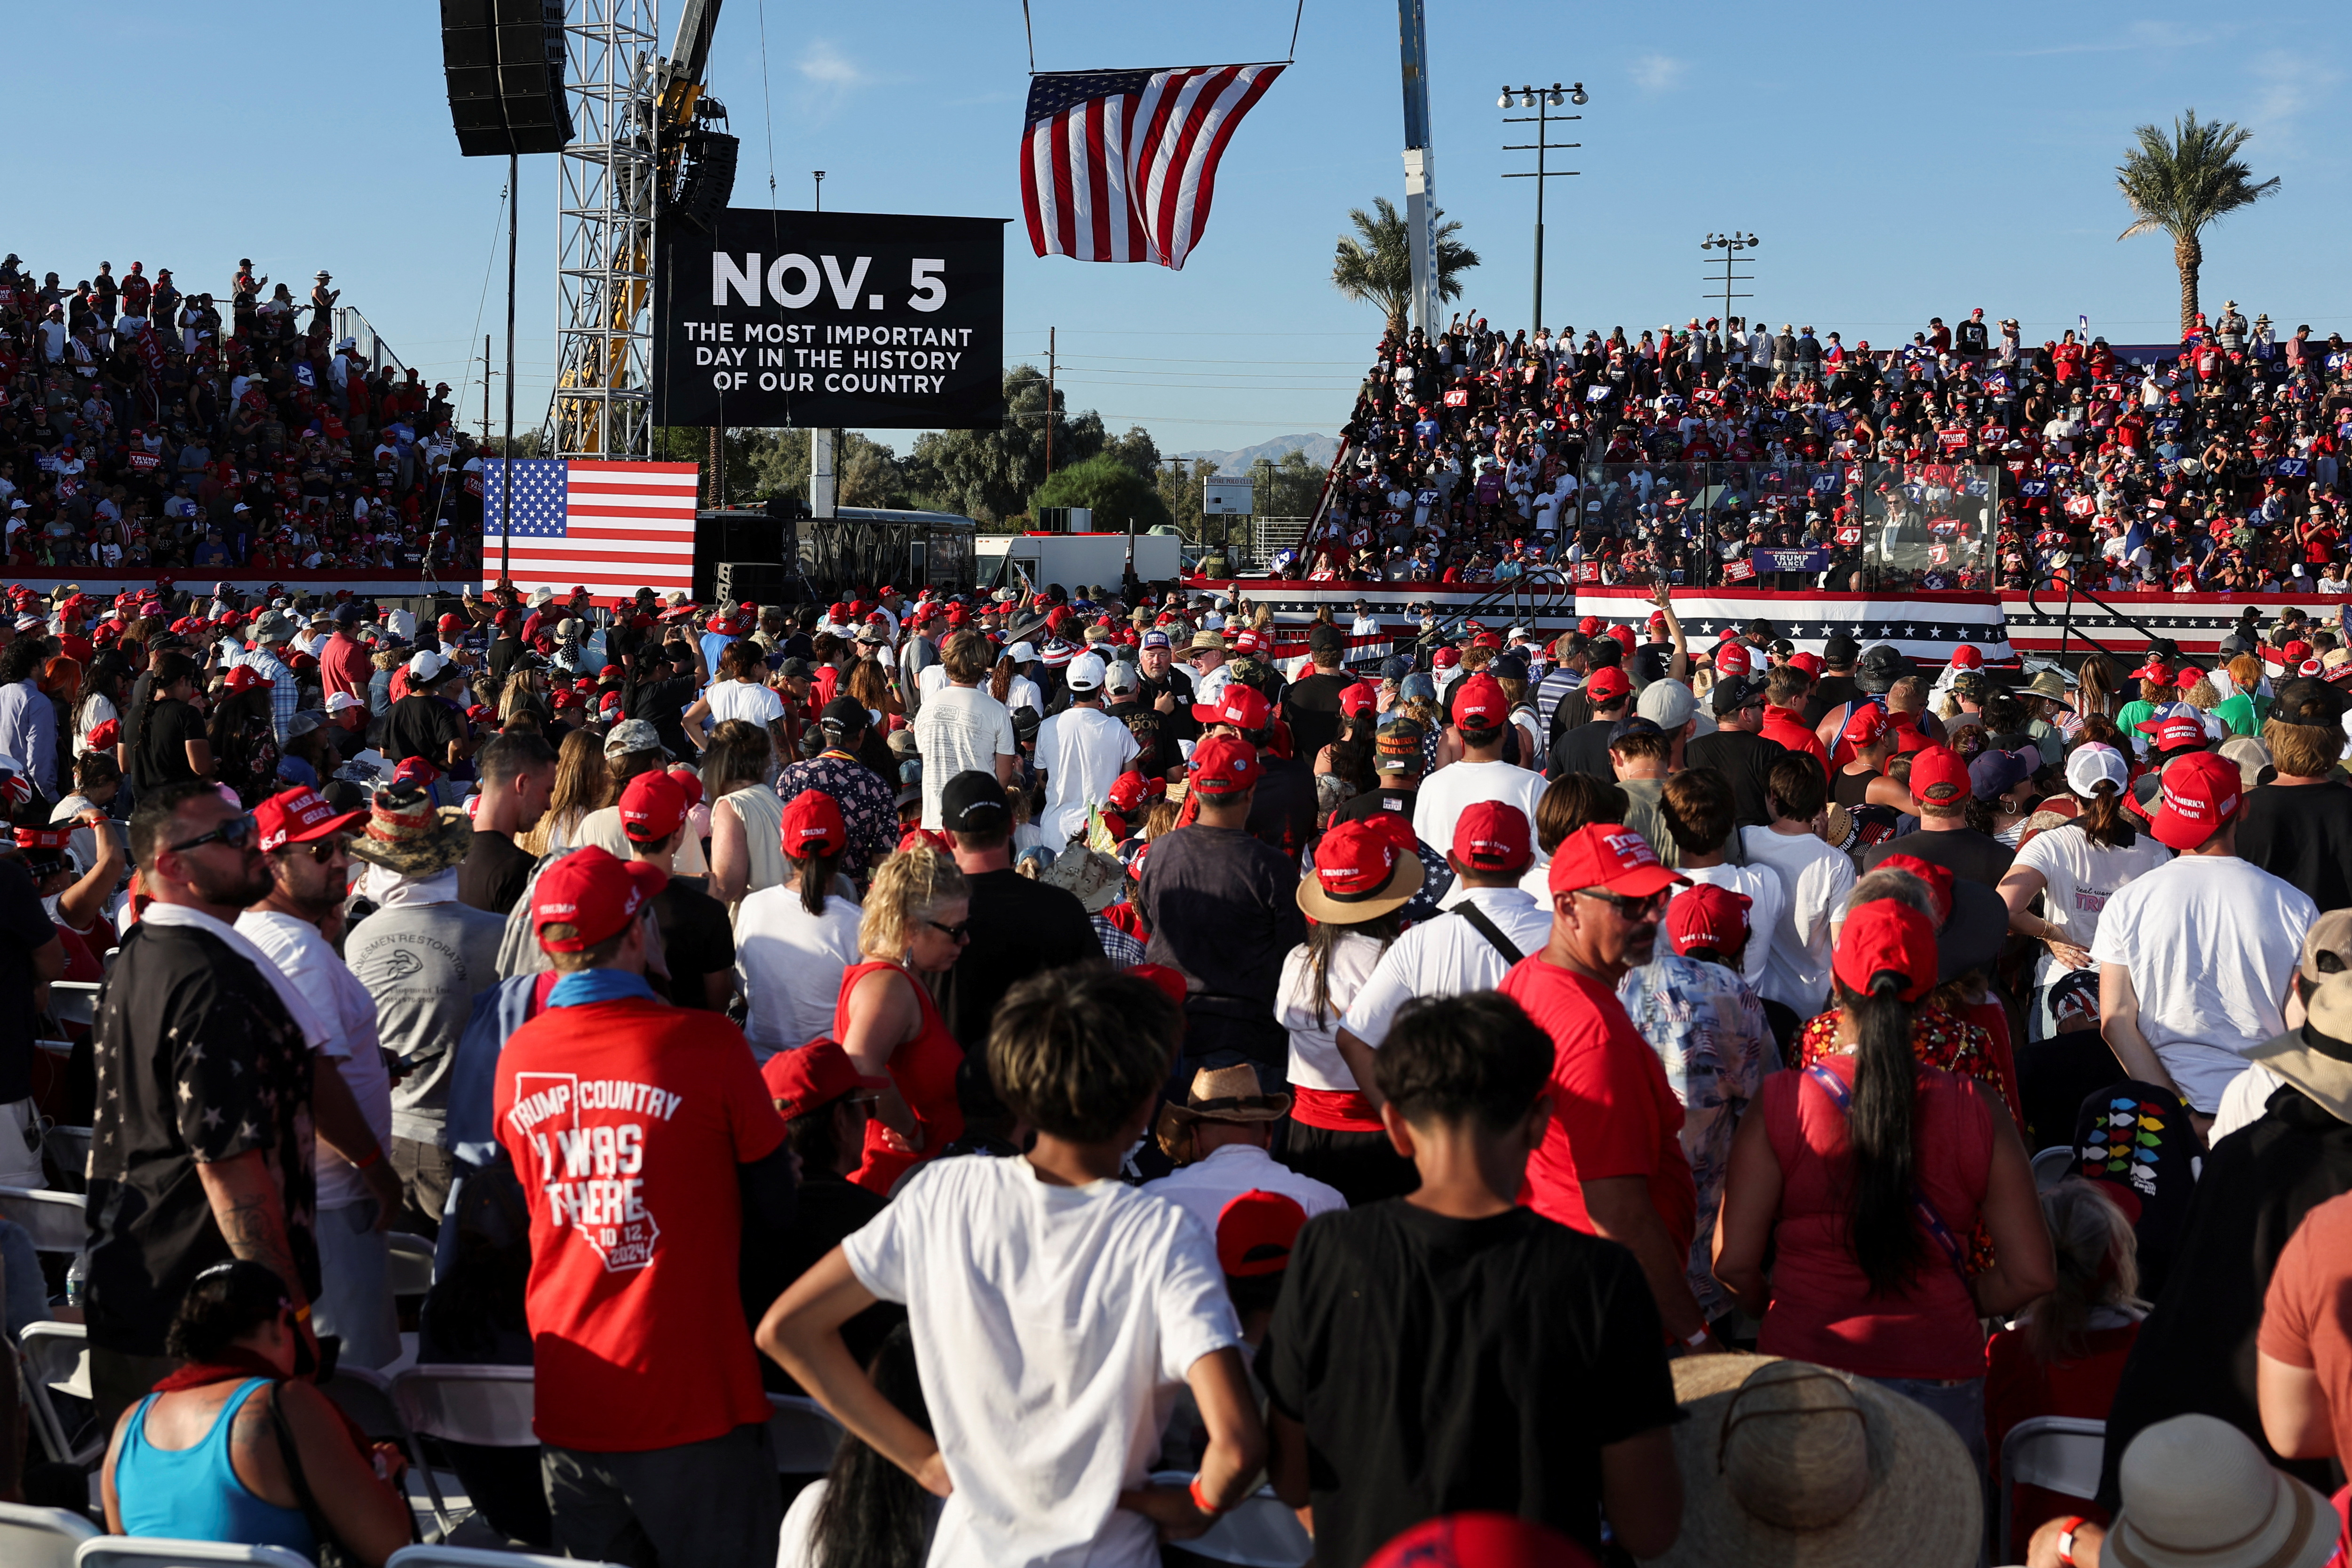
856,320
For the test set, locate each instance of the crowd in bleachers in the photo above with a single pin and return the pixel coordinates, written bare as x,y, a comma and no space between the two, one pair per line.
1966,458
147,425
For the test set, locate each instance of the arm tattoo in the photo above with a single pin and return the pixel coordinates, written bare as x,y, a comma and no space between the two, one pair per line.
255,1228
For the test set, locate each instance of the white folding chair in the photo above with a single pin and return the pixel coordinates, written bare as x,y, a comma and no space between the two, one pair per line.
54,1220
70,1001
805,1434
56,1357
41,1537
412,1264
1261,1531
2056,1453
490,1406
475,1557
365,1395
153,1552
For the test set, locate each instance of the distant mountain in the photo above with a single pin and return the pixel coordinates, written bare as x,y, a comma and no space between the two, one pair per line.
1319,450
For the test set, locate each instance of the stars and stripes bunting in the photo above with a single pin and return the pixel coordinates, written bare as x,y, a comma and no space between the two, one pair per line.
609,527
1119,165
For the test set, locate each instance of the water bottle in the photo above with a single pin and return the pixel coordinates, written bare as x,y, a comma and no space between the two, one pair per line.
78,1280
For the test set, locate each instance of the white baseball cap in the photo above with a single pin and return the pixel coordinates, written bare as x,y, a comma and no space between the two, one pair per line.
427,664
342,700
2093,764
1085,672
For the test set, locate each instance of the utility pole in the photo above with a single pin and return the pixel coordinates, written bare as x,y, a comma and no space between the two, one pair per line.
1049,402
486,389
716,462
1420,166
506,468
1542,100
820,188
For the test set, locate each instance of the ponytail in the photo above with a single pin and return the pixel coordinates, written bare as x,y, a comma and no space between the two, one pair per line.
2102,819
816,873
1000,679
1885,1235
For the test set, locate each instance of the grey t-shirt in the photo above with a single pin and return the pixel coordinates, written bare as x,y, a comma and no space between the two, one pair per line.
425,964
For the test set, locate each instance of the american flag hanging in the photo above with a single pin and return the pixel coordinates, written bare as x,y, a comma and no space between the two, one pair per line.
1119,165
611,528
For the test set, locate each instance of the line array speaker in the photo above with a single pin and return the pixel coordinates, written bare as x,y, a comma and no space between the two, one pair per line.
504,64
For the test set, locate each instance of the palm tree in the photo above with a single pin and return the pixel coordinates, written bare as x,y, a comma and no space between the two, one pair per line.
2181,182
1376,267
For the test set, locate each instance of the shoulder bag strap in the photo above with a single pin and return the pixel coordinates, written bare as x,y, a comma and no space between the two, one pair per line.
1938,1231
328,1548
1487,928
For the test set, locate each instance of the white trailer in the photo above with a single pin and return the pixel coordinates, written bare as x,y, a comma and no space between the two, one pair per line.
1071,559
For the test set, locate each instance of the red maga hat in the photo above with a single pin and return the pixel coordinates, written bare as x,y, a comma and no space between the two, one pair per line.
1707,917
1612,857
810,1078
594,893
1883,935
1256,1230
299,816
1491,836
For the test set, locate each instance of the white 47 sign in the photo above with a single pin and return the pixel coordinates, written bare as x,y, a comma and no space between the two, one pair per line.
793,281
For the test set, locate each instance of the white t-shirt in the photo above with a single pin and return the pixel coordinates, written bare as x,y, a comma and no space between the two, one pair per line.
960,728
2080,877
790,962
1053,1325
1445,793
746,699
1446,957
1815,879
1082,750
1203,1188
2211,942
1315,1060
1765,898
348,1010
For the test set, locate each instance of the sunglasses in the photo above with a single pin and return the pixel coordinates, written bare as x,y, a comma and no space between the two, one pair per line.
237,832
1628,906
958,932
322,849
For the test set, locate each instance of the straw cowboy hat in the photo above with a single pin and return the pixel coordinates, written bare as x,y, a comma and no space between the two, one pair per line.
1218,1094
1094,879
1785,1462
2197,1493
2317,1058
407,833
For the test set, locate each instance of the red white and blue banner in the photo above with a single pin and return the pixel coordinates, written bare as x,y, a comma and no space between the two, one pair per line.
610,528
2197,622
1924,625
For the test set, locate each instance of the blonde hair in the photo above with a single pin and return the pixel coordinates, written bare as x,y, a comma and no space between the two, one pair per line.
2201,696
2098,1256
907,888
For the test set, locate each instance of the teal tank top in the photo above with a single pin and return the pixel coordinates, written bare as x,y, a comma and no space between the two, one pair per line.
194,1493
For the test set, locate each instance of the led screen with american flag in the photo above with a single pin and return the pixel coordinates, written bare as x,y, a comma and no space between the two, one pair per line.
612,528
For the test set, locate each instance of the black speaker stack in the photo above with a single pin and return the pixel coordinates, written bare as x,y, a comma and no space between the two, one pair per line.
504,61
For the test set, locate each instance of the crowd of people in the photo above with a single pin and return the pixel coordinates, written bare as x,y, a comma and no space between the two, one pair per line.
1592,1099
143,428
1964,459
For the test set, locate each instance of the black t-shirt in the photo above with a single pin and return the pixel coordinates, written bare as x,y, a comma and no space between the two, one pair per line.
421,726
1223,908
2303,834
825,1210
197,1058
1444,1364
163,754
697,940
1964,852
660,703
1585,750
1829,692
1743,758
1283,816
1312,706
492,875
24,926
1372,802
1019,927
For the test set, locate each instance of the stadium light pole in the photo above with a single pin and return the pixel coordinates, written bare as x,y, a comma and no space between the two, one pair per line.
1731,245
1542,100
820,188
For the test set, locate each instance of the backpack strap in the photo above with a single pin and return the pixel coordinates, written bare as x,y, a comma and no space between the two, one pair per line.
1485,927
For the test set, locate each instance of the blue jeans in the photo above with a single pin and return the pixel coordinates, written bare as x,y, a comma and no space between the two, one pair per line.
355,1285
1960,1404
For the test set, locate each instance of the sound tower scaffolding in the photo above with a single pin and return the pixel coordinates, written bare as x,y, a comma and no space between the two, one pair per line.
606,188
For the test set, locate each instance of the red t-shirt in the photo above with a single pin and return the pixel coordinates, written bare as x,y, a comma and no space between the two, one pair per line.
1612,1113
626,1120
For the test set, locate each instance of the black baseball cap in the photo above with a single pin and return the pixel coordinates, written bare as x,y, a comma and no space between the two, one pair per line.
847,715
973,802
1631,727
1735,692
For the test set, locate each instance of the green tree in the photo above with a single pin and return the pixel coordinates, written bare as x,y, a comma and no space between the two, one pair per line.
2181,182
1286,488
989,475
1118,494
1376,265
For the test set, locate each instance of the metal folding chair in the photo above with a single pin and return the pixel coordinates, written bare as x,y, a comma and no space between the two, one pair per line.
490,1406
475,1557
68,1150
805,1434
2056,1453
412,1264
55,1221
154,1552
41,1537
56,1356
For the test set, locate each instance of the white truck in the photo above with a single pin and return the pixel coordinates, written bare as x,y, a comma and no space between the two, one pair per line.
1071,559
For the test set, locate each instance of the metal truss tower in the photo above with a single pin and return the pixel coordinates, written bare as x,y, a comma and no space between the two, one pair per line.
606,188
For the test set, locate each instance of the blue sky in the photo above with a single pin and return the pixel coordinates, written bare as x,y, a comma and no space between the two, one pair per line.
1897,161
